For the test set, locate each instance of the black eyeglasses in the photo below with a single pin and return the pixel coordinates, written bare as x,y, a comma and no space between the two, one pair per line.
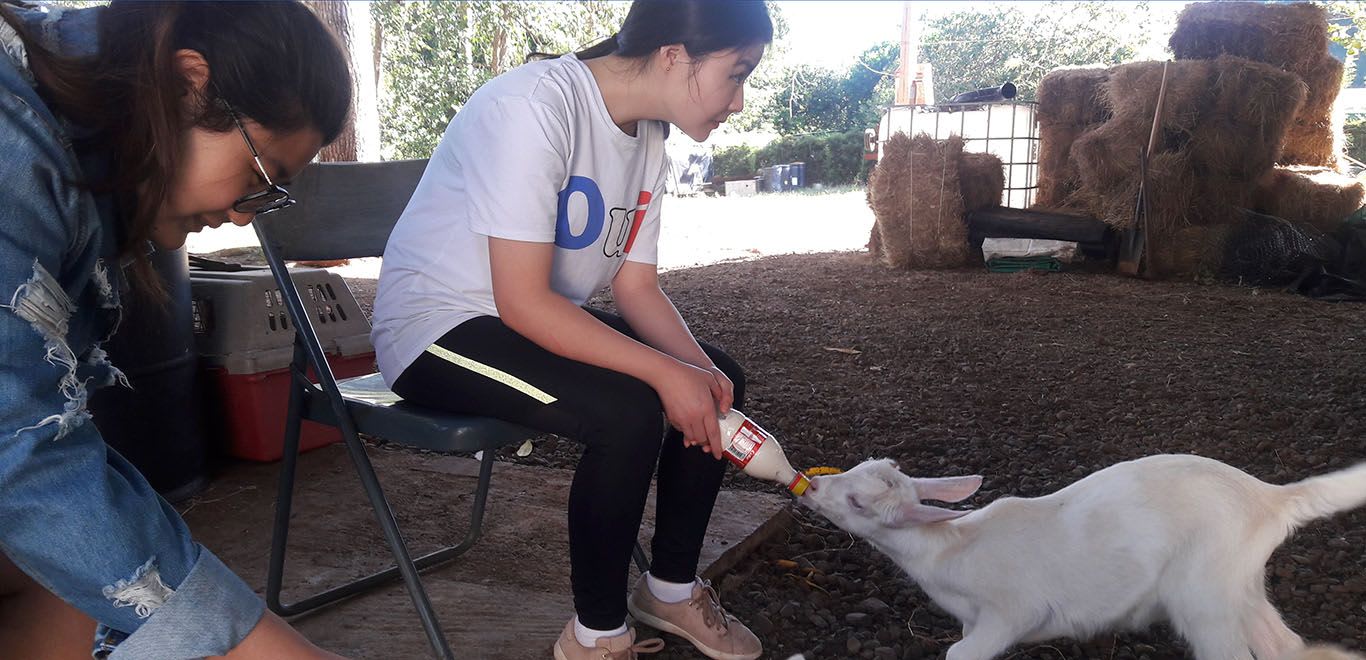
274,197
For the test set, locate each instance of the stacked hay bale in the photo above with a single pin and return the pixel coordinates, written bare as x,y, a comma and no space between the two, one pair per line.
918,203
1069,105
1316,196
1221,128
1293,37
981,179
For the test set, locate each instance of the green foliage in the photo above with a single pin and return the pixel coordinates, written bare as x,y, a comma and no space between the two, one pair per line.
816,99
989,44
429,71
765,81
735,161
1347,25
1347,28
1356,138
831,158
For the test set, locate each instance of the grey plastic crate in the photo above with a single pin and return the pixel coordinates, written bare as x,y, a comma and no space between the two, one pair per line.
240,320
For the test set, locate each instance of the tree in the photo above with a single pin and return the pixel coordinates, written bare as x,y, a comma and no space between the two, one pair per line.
816,99
766,81
350,21
1020,42
1347,28
435,54
1347,25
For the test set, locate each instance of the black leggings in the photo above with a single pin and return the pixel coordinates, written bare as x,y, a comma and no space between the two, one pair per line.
620,421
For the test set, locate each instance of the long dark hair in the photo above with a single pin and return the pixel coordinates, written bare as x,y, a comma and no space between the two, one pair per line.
274,62
702,26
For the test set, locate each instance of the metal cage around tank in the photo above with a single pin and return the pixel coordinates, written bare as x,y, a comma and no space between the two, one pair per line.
1008,129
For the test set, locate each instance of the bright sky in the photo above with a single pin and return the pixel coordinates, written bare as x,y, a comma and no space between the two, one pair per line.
831,33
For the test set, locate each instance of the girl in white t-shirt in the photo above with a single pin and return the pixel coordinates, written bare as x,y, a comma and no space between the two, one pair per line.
545,189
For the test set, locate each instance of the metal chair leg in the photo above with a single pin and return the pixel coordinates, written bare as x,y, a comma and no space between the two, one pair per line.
279,539
405,566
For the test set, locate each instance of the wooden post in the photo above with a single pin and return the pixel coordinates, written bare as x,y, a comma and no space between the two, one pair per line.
905,77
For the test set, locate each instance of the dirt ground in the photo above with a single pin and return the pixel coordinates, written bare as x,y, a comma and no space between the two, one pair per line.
1032,381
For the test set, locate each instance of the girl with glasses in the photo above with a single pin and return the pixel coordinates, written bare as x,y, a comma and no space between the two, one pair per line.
545,189
124,126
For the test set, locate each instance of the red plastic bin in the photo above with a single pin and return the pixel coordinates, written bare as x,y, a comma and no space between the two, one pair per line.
255,406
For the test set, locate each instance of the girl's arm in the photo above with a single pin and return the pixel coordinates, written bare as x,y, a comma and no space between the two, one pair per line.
526,304
653,316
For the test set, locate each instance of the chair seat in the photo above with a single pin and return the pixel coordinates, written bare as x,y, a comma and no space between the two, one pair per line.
377,411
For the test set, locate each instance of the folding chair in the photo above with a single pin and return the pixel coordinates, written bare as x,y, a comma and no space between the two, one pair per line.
347,211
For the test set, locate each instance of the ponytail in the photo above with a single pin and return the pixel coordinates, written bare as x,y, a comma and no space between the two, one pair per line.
607,46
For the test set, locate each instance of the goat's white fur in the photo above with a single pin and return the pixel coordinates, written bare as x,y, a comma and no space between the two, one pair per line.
1179,537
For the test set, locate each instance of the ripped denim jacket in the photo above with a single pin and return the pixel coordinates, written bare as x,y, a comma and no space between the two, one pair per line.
74,515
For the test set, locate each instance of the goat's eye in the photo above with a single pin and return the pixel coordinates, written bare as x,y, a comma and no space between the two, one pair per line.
854,503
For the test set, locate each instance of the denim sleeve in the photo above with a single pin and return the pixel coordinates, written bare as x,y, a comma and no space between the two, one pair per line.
74,515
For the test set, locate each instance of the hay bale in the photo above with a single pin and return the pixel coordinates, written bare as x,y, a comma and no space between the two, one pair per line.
874,235
1223,122
1110,185
889,189
1069,105
1252,107
1315,196
875,242
918,203
1255,94
981,179
1107,158
1057,173
1289,35
1314,144
1189,252
1293,37
1324,79
1072,96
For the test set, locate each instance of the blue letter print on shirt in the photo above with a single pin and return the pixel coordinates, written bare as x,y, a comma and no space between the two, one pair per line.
564,234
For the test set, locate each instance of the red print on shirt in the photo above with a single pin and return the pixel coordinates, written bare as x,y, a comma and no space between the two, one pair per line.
642,203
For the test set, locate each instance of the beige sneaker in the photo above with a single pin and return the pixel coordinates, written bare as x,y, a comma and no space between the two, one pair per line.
621,647
700,620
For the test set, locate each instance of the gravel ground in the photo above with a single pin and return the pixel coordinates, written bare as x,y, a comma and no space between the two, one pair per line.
1032,381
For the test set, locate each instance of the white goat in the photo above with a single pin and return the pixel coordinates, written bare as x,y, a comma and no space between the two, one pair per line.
1183,537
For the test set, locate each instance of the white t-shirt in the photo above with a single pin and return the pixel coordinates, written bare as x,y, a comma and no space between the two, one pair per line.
533,156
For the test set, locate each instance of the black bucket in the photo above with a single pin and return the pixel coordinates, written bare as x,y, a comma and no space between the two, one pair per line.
770,179
796,176
157,424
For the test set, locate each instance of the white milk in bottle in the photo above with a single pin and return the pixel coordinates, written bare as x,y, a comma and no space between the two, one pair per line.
756,451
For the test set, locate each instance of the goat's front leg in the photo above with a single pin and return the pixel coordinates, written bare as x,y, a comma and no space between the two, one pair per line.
986,638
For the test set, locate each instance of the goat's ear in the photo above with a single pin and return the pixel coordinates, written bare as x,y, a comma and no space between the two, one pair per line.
947,489
915,513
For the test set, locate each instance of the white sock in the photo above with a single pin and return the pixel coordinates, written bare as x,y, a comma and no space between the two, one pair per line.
669,592
588,637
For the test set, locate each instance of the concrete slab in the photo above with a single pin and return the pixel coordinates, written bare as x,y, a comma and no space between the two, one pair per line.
506,599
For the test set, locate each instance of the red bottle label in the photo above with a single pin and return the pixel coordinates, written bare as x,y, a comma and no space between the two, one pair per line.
745,444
